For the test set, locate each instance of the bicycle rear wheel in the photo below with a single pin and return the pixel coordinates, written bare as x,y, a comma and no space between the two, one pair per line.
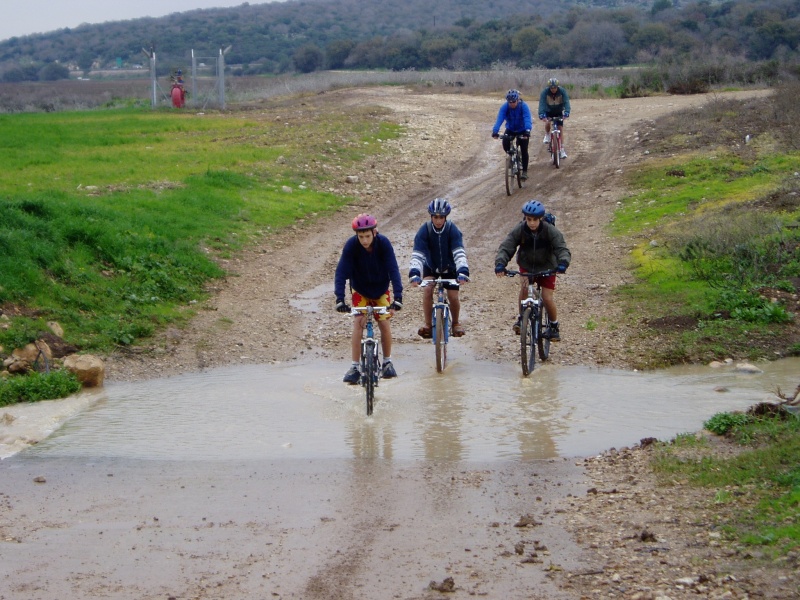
543,337
509,175
370,373
440,325
527,341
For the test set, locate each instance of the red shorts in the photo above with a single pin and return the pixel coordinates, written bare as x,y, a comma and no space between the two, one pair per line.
384,300
547,282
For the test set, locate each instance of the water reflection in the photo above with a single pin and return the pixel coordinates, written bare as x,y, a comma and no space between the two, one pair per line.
476,411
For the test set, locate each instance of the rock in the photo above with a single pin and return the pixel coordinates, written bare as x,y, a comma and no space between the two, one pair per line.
351,179
55,328
89,370
31,352
747,368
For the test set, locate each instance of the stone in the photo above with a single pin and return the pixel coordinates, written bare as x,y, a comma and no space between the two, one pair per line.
90,370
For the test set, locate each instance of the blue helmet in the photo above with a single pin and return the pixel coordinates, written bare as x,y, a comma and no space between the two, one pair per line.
533,208
512,95
439,206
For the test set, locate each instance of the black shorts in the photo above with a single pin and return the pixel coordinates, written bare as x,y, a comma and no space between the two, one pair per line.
426,272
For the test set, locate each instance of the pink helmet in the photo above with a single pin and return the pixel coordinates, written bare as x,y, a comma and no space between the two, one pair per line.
363,222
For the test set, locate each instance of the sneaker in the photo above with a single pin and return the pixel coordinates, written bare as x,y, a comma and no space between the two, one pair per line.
563,153
524,176
552,333
546,139
388,370
517,325
352,376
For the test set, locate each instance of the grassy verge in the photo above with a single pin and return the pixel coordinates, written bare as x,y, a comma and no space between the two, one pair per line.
715,220
111,221
755,493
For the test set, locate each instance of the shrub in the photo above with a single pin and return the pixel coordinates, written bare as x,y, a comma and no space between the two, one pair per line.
38,386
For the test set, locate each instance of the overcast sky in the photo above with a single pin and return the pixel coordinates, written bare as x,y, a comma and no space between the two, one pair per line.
23,17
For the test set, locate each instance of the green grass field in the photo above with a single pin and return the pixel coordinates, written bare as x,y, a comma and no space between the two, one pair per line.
110,220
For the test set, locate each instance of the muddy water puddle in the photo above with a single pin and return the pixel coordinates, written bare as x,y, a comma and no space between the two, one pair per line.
476,411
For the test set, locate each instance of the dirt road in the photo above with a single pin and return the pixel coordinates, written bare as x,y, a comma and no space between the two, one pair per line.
448,152
365,528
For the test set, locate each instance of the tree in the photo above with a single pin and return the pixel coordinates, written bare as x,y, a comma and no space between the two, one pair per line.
525,42
308,58
53,71
338,51
596,44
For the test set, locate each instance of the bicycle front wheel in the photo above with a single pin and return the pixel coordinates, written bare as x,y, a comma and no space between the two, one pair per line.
509,175
440,325
543,337
527,341
370,373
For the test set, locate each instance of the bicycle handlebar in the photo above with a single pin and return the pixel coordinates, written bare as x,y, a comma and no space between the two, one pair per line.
377,310
507,136
427,282
510,273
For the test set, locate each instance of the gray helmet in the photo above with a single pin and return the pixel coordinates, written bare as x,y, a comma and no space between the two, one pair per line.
439,206
553,82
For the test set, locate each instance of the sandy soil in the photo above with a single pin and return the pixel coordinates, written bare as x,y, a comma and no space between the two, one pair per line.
592,528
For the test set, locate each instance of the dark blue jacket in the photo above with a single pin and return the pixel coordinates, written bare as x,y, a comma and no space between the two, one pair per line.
369,273
518,119
441,250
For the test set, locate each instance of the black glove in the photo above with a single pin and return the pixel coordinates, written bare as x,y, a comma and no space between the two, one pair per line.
499,269
396,305
525,135
495,135
341,306
562,268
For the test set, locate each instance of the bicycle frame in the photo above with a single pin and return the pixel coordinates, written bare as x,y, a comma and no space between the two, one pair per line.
555,140
440,318
533,321
513,168
370,361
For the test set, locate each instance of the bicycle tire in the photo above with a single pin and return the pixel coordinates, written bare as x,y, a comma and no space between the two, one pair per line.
509,175
527,342
519,171
440,341
370,374
543,337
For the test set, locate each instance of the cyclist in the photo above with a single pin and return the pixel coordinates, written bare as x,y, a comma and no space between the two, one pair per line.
554,103
369,263
517,116
439,252
539,246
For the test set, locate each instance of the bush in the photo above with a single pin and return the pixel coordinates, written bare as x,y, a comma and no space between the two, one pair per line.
38,386
722,423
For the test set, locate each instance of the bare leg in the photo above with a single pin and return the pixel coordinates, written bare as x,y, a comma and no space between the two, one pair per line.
386,336
355,340
548,299
427,304
523,292
455,305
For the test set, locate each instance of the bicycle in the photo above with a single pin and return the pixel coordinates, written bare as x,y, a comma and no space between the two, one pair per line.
370,361
555,146
513,163
440,332
534,325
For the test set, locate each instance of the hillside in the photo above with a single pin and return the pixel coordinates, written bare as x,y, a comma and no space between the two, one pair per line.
307,35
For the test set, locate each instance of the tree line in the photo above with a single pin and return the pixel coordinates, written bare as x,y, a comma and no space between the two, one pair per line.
310,35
